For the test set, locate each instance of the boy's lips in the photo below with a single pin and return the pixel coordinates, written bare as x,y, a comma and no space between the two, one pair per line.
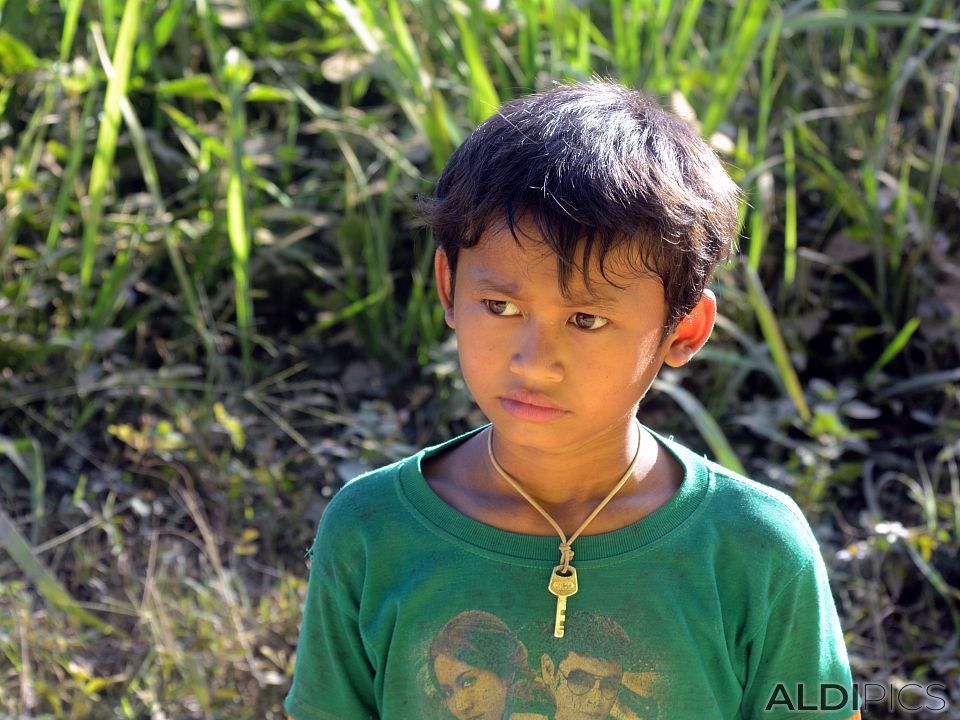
531,406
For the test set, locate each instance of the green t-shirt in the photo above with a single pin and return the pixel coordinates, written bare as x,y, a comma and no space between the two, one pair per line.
716,605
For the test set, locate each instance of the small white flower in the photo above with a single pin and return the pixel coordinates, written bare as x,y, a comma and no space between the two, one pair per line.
892,530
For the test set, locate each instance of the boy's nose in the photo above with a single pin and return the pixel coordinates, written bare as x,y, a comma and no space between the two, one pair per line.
537,357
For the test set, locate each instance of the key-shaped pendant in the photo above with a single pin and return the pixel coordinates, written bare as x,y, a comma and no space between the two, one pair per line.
563,586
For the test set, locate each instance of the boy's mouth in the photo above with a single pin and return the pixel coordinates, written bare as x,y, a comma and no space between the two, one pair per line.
531,406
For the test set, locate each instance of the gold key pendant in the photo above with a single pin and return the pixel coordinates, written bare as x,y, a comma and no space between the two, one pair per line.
563,586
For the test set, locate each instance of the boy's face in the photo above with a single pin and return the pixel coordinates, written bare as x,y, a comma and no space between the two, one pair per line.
584,363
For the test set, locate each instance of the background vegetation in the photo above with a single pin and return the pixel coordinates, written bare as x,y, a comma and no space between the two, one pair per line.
215,306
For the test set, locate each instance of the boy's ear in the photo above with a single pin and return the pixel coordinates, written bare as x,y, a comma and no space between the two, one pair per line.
444,277
692,332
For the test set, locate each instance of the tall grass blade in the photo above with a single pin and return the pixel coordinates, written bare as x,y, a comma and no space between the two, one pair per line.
839,19
170,238
530,56
920,383
778,348
167,23
107,137
949,106
790,210
211,39
63,195
903,65
414,78
759,216
823,173
27,457
708,428
659,37
895,346
364,304
681,36
238,73
734,65
48,586
483,95
70,20
932,574
110,295
900,217
874,227
419,315
406,52
108,19
617,15
580,61
768,86
70,172
15,58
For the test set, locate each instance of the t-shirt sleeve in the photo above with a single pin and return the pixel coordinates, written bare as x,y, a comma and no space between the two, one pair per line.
333,677
797,663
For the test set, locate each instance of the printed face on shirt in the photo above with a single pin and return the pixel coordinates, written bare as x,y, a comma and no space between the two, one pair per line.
468,692
590,357
583,687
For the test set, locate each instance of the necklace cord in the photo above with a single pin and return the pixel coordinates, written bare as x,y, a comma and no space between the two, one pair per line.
566,551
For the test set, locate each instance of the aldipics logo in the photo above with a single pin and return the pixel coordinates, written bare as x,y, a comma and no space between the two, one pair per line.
908,697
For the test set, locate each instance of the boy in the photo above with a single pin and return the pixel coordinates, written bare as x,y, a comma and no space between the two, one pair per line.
577,232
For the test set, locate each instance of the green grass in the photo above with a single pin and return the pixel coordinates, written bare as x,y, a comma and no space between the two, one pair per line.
215,304
117,79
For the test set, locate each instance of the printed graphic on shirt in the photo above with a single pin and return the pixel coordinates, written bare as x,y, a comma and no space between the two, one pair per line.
478,668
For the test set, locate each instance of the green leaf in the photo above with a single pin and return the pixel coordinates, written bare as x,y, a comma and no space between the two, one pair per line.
708,428
778,348
15,57
164,27
267,93
231,424
895,346
198,87
188,124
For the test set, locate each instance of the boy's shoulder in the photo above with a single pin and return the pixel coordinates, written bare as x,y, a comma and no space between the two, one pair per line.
756,515
355,515
366,492
375,492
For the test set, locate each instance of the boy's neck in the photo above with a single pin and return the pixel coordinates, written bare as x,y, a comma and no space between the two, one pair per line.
568,485
574,476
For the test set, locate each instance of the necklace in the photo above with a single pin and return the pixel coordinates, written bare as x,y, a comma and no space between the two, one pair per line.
563,579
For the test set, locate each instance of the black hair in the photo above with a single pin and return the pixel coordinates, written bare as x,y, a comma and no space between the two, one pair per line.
484,641
591,635
599,164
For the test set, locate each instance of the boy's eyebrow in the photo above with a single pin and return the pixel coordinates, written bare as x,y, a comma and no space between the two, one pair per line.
515,290
597,301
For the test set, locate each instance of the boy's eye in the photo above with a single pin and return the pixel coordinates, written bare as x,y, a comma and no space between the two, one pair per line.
502,308
585,321
505,308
